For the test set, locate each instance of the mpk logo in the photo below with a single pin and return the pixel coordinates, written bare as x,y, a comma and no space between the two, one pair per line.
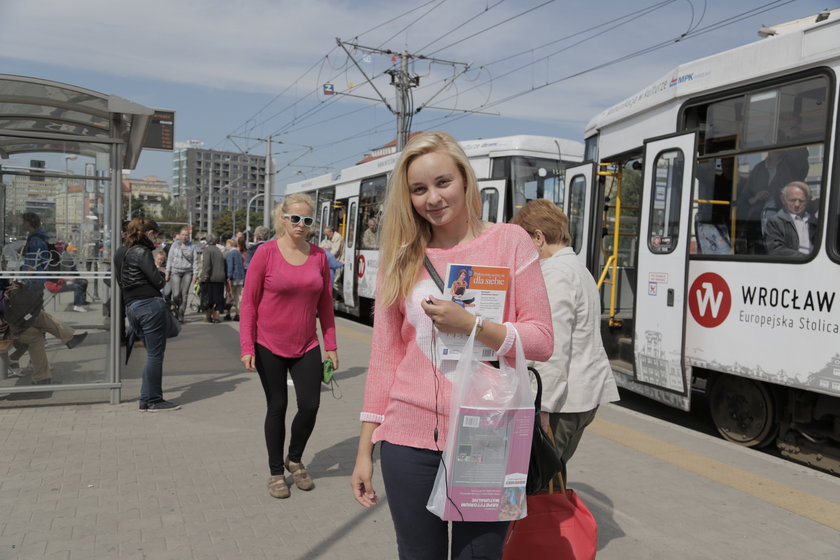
709,300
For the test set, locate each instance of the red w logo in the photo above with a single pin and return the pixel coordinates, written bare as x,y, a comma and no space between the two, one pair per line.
709,300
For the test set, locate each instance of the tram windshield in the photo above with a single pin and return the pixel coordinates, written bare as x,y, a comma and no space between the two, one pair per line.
531,178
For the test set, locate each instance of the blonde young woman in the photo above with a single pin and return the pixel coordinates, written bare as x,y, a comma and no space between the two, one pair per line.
288,283
432,209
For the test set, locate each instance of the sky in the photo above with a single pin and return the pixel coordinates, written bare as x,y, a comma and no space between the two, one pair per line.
236,72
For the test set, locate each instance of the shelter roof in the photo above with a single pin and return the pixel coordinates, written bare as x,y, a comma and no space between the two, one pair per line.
38,115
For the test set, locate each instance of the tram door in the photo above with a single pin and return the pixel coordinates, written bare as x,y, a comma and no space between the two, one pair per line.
663,261
579,181
350,251
492,200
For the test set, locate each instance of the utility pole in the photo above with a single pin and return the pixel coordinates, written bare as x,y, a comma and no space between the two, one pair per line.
269,174
403,81
209,206
269,183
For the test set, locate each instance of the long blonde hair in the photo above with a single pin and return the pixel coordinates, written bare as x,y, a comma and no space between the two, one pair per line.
405,234
283,208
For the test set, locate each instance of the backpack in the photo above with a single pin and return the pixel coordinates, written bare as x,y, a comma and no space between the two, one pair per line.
54,263
21,304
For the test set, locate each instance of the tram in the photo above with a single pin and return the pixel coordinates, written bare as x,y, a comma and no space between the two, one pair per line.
510,171
716,274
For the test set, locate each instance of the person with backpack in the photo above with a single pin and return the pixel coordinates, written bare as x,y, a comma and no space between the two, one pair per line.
36,253
20,307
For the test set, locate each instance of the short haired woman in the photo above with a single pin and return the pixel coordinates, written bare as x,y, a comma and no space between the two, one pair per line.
577,377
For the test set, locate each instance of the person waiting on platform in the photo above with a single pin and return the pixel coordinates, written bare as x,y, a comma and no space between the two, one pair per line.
288,283
141,285
235,270
791,230
578,377
213,280
77,285
179,271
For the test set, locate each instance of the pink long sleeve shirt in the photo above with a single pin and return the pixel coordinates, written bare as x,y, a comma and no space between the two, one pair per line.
400,388
280,300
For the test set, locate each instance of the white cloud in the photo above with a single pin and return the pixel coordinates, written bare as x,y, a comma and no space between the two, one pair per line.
266,46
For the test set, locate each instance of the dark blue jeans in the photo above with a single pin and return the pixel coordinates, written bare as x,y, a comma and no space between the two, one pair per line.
147,318
79,289
409,475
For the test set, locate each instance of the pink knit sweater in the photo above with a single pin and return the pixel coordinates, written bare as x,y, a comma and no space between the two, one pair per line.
400,388
280,300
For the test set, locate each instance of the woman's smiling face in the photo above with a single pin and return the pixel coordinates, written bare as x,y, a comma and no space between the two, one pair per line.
437,188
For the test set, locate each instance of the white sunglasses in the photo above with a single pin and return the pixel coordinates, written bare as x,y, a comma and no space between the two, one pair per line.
295,219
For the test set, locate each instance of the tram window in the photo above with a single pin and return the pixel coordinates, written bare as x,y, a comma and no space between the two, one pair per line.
372,198
664,231
550,186
577,210
762,118
351,227
560,193
489,204
772,135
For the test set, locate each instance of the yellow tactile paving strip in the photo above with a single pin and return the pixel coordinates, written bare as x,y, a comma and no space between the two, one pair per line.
801,503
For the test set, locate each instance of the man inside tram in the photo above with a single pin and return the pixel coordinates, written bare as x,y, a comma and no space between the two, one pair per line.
761,198
792,229
369,235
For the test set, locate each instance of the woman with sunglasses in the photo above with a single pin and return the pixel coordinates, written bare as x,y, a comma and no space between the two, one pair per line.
287,284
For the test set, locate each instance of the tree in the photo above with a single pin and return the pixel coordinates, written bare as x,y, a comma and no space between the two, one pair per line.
137,208
174,216
223,223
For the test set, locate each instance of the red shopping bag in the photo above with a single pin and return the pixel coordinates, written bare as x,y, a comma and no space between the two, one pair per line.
559,526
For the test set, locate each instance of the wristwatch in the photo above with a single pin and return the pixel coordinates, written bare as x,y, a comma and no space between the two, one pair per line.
479,324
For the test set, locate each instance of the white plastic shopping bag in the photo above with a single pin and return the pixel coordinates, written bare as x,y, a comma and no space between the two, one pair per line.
485,464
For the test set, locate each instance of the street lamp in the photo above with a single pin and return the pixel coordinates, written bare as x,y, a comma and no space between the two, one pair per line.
248,215
67,160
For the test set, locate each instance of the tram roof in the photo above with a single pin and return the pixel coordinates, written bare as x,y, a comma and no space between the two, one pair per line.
38,115
783,49
533,145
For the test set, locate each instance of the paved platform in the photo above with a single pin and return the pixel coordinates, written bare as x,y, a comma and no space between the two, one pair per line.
100,481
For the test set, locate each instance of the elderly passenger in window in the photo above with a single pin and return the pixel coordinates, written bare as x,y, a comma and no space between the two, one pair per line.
791,230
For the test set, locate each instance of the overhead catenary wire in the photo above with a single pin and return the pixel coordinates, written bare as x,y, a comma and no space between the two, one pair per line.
243,127
673,40
495,25
303,120
459,26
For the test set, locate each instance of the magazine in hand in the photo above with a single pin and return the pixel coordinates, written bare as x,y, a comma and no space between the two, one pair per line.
481,290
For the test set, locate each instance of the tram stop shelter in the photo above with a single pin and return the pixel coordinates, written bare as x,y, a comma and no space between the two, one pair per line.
62,152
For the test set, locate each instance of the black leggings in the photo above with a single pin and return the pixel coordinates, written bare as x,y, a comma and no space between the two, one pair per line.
409,475
306,375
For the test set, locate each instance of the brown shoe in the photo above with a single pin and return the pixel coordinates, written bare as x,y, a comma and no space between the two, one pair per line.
302,479
277,486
